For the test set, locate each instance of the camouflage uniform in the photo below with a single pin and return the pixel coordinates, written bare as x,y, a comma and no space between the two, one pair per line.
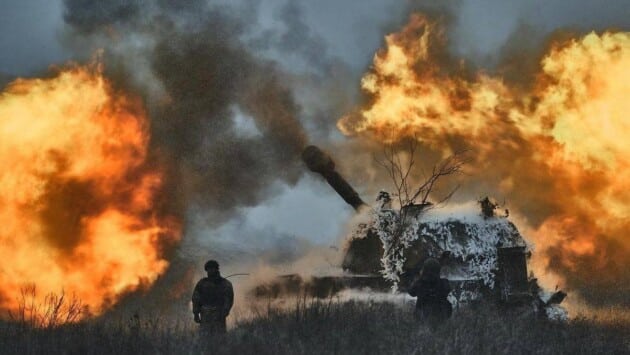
212,299
432,305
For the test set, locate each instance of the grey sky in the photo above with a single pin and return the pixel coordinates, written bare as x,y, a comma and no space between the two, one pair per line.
350,31
29,33
483,26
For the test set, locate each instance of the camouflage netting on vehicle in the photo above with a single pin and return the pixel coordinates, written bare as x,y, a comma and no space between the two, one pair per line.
482,254
470,239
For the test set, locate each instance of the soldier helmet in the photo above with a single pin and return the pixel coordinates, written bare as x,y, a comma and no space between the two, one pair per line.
431,269
211,264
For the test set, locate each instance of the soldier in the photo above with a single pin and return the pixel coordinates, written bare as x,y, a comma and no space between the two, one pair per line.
212,299
432,305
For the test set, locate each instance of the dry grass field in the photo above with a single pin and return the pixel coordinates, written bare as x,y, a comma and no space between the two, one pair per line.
315,327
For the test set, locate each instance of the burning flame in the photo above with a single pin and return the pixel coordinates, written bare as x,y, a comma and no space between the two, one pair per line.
559,148
78,199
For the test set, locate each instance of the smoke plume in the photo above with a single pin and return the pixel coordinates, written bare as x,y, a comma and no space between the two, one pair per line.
199,79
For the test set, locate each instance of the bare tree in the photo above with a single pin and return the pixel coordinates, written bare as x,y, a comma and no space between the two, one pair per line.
409,194
400,171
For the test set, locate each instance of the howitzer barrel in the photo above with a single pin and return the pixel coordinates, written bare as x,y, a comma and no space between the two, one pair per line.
319,162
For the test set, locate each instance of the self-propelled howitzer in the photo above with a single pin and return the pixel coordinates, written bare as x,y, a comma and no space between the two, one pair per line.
483,254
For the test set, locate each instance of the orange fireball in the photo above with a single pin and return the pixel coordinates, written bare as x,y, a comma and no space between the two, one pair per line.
78,197
558,150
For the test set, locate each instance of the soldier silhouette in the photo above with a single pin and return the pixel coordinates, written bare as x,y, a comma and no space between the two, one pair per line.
212,299
432,305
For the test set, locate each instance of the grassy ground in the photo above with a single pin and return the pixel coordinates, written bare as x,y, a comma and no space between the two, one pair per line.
327,327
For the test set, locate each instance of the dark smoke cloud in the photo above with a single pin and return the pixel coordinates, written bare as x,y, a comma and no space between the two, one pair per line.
291,41
298,38
205,73
89,16
322,82
198,74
